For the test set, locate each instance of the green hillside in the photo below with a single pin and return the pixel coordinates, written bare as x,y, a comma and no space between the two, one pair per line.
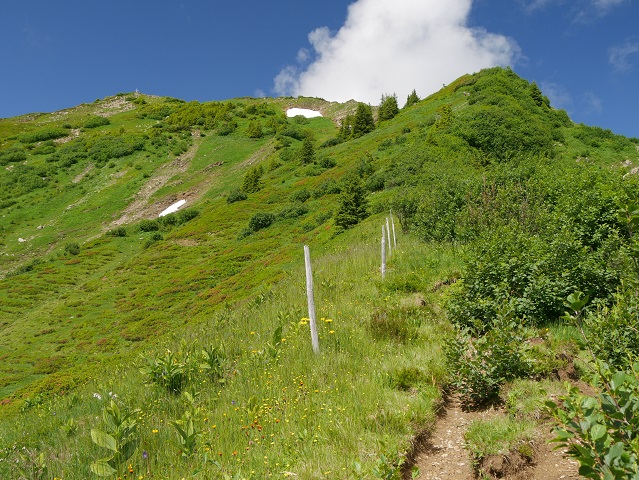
175,346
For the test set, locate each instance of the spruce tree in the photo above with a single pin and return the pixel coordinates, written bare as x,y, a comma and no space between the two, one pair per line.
353,204
307,152
254,129
388,107
363,122
412,99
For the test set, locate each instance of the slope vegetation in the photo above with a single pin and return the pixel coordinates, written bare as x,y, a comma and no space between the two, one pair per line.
178,345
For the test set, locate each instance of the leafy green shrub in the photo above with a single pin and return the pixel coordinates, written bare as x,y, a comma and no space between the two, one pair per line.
43,135
331,142
45,148
236,196
301,195
479,366
72,248
170,371
96,121
13,154
327,162
294,210
531,274
602,431
120,436
149,226
613,332
260,221
117,232
327,187
155,237
187,215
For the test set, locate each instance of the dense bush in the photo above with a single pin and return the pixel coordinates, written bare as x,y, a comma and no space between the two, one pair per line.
327,187
532,275
13,154
236,196
602,431
480,365
96,121
260,221
149,225
43,135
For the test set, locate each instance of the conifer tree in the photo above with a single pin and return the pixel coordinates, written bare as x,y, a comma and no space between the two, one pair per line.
254,129
346,128
412,99
353,204
307,152
363,122
251,183
387,108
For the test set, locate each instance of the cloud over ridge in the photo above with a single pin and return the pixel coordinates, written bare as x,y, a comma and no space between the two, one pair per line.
389,46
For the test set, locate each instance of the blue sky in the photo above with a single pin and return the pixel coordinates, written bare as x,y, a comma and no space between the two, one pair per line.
584,54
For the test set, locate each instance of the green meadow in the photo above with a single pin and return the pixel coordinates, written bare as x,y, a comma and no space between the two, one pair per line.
138,346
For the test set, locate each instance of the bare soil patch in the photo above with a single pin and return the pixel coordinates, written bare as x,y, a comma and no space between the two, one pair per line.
442,454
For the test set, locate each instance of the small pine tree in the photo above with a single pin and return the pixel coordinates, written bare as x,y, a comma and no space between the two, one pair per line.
254,129
388,108
537,96
353,204
363,122
251,183
307,151
346,128
412,99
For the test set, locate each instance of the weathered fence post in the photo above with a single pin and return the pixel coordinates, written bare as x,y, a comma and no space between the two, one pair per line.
311,299
390,249
394,237
383,254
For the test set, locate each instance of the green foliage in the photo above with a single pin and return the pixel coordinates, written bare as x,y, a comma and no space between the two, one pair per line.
601,431
388,108
260,221
187,434
236,196
12,155
301,195
120,436
412,99
363,122
96,121
251,183
306,153
327,187
397,324
149,225
170,371
72,248
479,366
43,135
117,232
254,129
353,204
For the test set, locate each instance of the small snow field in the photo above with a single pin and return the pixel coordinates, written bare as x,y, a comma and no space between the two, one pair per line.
173,208
305,112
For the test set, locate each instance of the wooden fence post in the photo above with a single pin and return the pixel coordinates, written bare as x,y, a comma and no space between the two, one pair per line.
390,249
311,299
394,237
383,254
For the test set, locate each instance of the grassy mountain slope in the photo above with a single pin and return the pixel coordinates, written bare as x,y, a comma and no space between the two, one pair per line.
95,286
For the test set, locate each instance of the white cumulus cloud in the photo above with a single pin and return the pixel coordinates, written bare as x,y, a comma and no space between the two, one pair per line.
389,46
